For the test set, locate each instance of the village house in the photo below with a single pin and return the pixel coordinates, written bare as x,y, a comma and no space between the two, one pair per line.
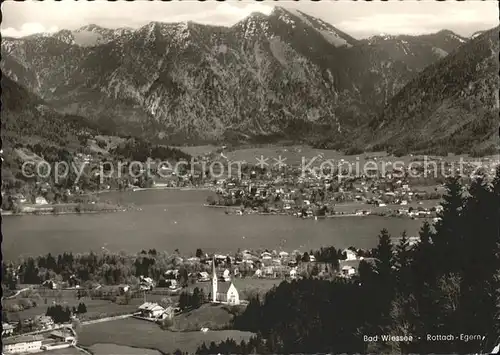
283,254
350,254
22,344
203,276
173,285
41,201
49,284
155,311
44,322
7,329
348,270
146,283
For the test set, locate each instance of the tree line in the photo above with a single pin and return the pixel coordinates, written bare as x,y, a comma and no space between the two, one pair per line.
62,314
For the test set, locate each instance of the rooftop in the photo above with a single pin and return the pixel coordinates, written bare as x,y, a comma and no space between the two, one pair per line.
22,339
149,306
223,287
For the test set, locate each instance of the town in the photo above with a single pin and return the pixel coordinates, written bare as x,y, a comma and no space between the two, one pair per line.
384,188
186,285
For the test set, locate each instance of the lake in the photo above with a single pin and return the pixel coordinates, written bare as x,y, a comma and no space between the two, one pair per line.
175,219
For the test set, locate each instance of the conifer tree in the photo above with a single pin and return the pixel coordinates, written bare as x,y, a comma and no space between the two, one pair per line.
402,264
448,237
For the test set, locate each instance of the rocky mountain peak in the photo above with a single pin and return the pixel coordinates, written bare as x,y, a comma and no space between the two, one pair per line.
92,28
65,36
268,75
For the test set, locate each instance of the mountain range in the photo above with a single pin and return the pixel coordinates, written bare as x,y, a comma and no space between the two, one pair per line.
283,75
453,105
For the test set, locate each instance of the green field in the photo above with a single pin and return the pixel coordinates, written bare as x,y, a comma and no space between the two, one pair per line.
95,308
67,351
142,334
212,316
113,349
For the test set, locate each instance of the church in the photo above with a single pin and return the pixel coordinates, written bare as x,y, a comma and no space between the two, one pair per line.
223,292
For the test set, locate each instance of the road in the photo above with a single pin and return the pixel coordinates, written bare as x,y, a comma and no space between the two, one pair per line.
16,294
107,319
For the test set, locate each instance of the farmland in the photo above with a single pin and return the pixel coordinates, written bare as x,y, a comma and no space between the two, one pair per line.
140,334
207,316
96,308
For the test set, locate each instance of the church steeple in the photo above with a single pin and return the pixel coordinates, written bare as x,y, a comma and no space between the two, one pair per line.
214,282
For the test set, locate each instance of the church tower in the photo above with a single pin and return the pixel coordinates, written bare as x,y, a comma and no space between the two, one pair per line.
214,282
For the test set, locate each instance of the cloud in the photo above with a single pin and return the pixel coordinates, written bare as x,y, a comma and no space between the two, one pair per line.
415,23
225,14
20,17
27,29
359,19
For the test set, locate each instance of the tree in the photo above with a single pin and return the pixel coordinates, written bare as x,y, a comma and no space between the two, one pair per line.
384,255
478,269
82,308
385,289
183,277
199,253
402,264
449,229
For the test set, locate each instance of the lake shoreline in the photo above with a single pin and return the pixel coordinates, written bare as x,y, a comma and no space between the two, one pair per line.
157,188
171,219
308,218
45,211
51,213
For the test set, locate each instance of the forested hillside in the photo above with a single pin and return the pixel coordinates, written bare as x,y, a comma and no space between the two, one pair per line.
452,106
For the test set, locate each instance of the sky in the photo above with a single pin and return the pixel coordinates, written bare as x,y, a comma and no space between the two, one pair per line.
360,19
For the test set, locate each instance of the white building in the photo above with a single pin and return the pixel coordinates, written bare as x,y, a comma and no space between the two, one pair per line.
348,270
223,292
152,310
7,329
41,201
22,344
283,254
350,254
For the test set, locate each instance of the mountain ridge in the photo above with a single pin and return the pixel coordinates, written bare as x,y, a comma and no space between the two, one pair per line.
266,75
286,74
453,104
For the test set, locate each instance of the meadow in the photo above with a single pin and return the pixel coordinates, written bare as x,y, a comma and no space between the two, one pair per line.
68,351
141,334
44,298
109,349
